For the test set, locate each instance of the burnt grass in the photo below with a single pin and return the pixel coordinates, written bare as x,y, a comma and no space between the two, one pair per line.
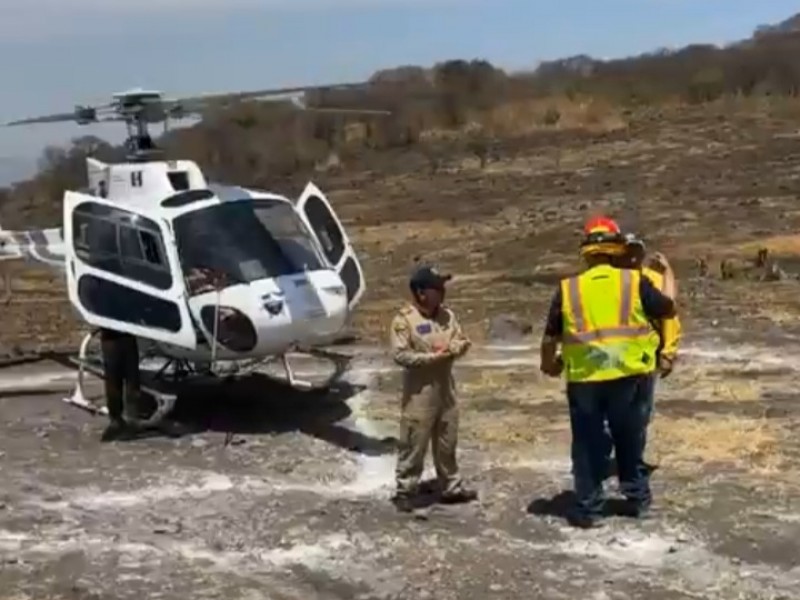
697,182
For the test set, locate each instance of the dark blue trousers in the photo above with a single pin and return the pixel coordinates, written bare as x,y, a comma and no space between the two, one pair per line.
625,404
647,392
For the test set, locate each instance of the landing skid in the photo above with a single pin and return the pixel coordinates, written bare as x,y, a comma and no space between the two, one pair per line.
165,402
341,364
175,371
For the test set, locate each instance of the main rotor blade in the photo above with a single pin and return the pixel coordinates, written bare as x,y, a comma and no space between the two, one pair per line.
56,118
234,96
200,104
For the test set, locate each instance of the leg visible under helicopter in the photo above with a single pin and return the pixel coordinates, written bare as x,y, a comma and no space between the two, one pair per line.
117,351
124,391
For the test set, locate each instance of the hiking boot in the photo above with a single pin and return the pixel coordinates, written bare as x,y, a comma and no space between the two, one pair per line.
584,521
636,510
459,496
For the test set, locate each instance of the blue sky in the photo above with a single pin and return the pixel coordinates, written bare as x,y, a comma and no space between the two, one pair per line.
56,53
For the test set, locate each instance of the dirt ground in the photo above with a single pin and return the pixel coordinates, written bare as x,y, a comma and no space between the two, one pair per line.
297,506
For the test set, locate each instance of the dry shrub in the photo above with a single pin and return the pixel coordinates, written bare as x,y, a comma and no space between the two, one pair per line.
527,116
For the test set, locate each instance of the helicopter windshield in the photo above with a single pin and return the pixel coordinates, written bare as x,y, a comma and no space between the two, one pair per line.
246,240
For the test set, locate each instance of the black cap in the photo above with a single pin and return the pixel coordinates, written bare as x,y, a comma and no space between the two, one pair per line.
427,277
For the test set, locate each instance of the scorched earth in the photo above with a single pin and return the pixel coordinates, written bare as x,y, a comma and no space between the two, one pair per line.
296,506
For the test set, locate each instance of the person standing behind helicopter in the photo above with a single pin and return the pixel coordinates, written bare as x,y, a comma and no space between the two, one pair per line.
123,388
122,382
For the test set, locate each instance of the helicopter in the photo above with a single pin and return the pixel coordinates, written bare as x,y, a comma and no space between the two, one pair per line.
202,274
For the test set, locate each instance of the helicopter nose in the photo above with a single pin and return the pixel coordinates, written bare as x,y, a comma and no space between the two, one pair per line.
306,307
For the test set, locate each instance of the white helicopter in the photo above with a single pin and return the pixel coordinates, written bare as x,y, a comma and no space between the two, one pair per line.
201,274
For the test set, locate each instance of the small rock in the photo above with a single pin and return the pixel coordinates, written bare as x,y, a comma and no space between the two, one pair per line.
496,587
169,528
198,443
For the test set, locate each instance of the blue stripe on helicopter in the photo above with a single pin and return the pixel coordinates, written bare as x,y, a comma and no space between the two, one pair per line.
34,245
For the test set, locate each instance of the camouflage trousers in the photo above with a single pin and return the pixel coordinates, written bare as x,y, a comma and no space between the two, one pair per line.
427,419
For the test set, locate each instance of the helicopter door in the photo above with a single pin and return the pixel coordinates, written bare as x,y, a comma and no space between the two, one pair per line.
332,238
123,271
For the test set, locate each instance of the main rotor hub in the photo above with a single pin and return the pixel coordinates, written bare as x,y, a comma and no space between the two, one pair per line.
139,108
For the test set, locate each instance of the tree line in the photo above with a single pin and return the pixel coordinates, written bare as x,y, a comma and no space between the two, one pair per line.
256,143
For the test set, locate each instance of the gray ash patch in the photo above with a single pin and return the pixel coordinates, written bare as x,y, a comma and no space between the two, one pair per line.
300,510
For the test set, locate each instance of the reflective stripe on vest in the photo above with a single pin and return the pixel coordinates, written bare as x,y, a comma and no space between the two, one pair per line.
621,331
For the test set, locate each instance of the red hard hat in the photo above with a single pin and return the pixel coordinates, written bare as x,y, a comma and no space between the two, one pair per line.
602,236
601,225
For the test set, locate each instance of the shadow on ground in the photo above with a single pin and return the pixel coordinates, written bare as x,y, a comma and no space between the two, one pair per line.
563,503
257,404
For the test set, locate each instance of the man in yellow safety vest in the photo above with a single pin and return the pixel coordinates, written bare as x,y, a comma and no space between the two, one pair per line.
602,320
666,334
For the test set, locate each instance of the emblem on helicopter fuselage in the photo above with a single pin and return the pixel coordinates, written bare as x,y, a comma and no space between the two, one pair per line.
272,303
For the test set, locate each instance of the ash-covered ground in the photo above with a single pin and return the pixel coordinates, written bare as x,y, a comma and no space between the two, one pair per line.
297,506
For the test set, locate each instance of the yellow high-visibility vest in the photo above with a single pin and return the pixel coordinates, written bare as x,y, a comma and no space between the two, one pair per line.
667,331
606,331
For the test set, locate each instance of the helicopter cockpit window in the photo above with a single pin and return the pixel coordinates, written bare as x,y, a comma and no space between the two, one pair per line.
121,242
281,220
152,252
245,241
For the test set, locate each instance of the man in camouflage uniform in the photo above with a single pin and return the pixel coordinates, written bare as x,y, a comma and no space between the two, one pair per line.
426,338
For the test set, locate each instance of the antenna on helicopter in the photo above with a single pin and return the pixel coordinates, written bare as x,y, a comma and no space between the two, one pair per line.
139,108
